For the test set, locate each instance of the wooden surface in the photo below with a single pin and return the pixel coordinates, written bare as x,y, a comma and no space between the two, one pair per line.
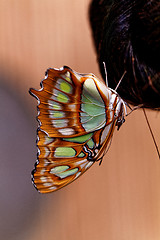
120,200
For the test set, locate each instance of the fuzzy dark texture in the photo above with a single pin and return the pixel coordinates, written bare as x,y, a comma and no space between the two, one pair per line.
126,35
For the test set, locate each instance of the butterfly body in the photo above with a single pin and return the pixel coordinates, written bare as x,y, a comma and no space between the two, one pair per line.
77,115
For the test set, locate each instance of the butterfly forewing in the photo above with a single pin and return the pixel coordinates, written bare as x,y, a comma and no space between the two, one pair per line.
76,115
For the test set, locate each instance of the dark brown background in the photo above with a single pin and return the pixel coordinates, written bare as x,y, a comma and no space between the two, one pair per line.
119,200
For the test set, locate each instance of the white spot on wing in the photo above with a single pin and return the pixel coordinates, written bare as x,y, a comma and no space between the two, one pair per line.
72,106
66,131
59,123
42,171
48,140
54,105
45,162
89,164
96,150
44,179
53,188
77,175
46,152
47,184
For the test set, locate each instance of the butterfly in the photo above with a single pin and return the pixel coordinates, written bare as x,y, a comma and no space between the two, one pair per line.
77,115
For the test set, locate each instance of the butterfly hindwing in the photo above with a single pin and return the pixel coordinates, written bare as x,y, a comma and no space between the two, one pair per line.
76,115
62,160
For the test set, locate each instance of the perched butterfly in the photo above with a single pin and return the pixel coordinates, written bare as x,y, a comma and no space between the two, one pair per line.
77,115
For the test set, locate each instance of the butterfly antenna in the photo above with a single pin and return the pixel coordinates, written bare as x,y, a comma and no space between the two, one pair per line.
120,80
156,146
104,64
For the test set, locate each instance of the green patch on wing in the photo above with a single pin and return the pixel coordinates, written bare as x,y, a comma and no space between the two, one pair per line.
81,154
80,139
56,114
65,87
64,152
62,98
58,169
67,173
90,143
93,116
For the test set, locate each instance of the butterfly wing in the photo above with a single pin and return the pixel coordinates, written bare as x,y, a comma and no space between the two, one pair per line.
76,121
